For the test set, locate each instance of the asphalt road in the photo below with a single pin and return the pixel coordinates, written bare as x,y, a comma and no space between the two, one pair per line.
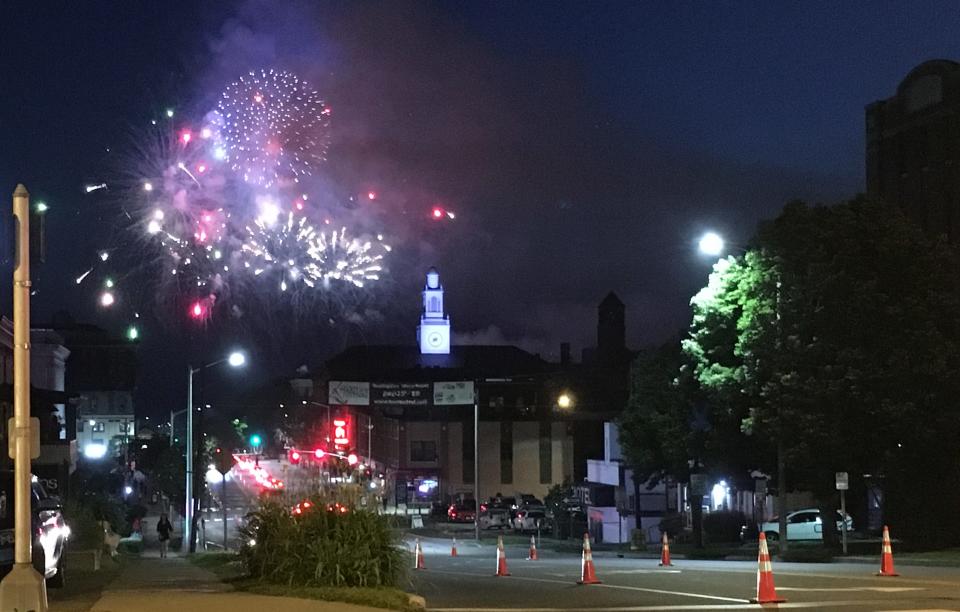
467,582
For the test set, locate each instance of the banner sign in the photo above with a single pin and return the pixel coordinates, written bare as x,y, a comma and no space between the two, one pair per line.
453,393
400,394
349,392
352,393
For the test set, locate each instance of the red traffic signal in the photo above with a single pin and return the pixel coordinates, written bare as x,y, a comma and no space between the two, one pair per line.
318,453
294,456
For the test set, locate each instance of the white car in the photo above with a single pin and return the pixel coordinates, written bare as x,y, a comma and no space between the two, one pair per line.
494,518
529,519
802,525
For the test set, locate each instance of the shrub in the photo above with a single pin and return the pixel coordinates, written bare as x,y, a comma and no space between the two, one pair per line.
324,545
723,526
807,554
85,530
672,524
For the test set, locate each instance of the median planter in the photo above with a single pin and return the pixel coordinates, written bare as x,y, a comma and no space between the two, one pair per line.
321,543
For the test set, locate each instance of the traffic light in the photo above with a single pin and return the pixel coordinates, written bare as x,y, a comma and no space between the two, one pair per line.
352,459
294,456
255,440
318,453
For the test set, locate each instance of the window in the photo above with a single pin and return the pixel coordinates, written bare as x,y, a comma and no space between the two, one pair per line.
423,450
434,305
804,517
506,452
98,427
546,453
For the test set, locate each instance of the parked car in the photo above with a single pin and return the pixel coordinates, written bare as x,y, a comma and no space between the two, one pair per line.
529,519
462,512
526,499
495,518
803,525
50,532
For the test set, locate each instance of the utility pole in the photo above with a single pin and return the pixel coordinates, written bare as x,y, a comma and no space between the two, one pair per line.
188,506
476,460
23,588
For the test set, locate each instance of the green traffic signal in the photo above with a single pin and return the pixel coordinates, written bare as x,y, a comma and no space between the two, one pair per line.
255,440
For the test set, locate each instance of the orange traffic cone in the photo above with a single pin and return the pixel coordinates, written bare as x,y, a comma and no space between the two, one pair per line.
588,574
501,559
665,551
766,593
886,556
533,550
418,551
453,549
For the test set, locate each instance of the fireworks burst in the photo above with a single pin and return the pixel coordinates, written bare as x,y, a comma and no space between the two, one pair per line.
274,127
221,208
297,252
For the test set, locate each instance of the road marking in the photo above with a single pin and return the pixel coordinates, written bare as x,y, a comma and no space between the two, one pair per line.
607,586
823,605
641,571
851,589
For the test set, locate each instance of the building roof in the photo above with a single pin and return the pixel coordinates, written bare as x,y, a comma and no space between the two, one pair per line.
611,300
393,362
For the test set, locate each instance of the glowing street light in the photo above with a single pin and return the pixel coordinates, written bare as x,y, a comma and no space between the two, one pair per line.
42,207
565,401
711,244
234,359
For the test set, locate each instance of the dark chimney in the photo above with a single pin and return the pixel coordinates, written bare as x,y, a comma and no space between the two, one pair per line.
611,328
564,353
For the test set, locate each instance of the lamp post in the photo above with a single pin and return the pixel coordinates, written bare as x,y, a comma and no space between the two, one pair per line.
23,588
235,360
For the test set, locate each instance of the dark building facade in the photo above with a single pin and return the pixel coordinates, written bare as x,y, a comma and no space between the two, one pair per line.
410,408
913,147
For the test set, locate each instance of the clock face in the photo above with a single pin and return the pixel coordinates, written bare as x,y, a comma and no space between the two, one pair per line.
434,339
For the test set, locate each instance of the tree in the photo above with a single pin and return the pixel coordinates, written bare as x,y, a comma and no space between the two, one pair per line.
838,331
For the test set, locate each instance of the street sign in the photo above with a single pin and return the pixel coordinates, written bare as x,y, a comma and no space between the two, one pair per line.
698,484
222,460
760,486
843,481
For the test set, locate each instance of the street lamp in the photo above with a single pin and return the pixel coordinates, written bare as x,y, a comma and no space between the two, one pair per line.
235,359
565,401
711,244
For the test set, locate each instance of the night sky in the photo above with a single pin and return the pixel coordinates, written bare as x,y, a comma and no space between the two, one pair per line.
583,147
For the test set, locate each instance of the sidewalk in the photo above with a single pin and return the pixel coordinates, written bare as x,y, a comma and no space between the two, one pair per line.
152,584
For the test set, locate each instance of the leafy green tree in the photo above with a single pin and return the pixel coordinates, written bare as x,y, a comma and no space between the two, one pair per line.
837,334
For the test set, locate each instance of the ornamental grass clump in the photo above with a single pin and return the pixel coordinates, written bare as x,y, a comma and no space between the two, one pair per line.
321,543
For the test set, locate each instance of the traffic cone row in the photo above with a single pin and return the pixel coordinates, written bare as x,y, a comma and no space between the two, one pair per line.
418,551
533,550
766,593
665,551
886,555
501,559
588,574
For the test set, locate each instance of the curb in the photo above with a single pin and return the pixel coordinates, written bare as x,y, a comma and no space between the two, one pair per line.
417,601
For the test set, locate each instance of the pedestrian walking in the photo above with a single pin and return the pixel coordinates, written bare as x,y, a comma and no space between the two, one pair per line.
163,532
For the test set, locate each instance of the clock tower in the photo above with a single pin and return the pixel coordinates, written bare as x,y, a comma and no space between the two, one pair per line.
433,334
